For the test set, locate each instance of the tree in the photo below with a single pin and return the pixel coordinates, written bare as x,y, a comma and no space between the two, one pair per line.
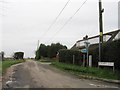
18,55
49,50
43,50
54,48
38,56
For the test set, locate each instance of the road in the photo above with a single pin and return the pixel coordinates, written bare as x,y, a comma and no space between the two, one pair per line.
32,74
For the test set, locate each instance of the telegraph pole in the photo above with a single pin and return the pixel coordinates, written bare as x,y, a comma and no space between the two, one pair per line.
101,10
38,45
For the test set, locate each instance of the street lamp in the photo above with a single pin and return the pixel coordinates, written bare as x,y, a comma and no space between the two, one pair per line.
87,44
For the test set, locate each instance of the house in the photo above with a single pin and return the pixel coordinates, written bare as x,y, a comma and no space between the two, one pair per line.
94,41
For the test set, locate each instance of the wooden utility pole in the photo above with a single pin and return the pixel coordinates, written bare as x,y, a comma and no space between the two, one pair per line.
101,10
38,45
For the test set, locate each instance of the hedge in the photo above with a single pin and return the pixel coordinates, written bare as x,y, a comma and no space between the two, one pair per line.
110,53
66,56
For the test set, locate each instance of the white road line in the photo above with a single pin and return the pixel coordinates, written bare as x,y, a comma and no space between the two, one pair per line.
103,86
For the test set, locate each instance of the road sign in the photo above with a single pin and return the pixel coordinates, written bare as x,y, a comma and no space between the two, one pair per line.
83,50
106,64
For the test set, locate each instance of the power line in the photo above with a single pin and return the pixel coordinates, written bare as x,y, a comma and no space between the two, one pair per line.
69,19
58,15
56,18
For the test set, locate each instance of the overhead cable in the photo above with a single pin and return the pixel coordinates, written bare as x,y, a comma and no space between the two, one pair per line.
55,19
68,20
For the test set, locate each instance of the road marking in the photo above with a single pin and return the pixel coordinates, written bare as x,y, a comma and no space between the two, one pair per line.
103,86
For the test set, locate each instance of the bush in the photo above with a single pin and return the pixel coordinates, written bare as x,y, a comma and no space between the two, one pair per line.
66,56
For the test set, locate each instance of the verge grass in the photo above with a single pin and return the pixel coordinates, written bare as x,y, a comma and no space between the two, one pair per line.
0,68
7,63
93,71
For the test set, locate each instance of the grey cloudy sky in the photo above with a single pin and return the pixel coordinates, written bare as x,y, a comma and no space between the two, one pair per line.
24,22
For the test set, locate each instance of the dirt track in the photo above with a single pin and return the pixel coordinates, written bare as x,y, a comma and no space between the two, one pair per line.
32,74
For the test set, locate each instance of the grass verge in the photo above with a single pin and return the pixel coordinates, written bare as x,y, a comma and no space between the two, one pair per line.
7,63
0,68
96,72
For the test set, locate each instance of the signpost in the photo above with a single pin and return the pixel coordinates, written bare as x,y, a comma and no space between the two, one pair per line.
90,60
106,64
83,50
87,49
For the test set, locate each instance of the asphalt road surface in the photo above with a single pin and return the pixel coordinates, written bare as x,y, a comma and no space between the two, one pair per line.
32,74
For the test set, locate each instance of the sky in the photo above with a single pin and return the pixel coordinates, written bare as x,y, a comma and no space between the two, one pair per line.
24,22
